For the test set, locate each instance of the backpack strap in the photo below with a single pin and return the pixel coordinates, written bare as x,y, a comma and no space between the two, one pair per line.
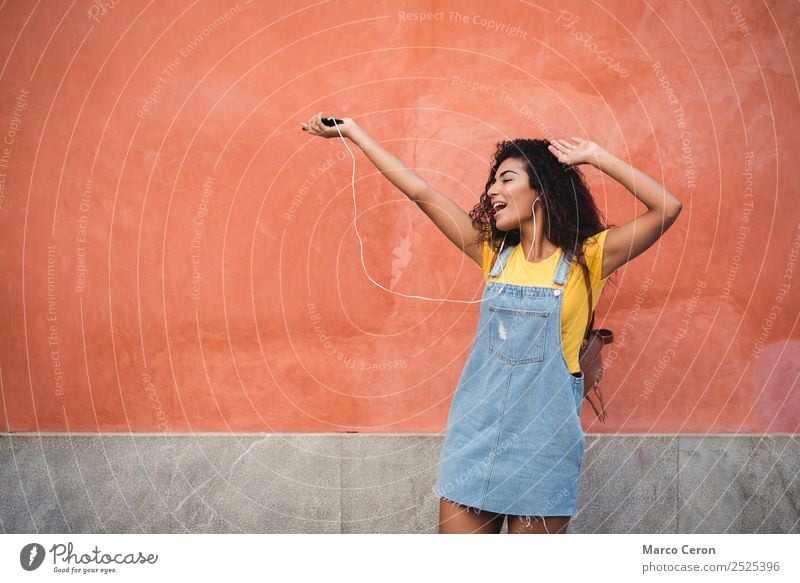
591,311
565,264
601,412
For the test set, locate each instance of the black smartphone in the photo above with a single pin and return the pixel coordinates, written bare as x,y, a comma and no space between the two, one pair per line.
332,121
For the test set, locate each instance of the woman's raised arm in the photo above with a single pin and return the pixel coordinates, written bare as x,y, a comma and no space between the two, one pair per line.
450,218
636,236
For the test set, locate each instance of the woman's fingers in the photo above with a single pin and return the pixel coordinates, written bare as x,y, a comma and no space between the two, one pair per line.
562,150
317,128
315,124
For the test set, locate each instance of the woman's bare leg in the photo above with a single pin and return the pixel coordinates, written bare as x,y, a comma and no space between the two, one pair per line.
457,519
535,525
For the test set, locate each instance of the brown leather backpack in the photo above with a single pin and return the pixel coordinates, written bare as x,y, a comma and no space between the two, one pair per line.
590,358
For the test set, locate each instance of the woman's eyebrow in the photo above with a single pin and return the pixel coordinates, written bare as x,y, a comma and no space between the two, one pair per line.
501,174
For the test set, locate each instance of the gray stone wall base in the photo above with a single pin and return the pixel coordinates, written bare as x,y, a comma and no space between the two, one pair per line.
375,483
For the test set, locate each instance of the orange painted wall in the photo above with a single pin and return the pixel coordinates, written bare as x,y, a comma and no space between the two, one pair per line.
143,144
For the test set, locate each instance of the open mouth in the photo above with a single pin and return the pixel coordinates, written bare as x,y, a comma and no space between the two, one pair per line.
498,206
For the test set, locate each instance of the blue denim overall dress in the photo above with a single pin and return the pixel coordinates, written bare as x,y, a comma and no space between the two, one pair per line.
514,442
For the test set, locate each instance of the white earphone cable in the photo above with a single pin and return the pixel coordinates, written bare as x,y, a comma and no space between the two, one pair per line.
361,244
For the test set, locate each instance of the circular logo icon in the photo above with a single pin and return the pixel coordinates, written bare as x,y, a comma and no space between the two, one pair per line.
31,556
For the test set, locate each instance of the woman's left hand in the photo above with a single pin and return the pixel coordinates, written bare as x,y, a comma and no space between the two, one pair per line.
576,152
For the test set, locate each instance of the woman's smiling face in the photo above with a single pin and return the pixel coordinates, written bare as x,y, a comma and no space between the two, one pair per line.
511,187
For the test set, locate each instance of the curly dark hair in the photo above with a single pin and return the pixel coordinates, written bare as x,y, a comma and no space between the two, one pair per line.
571,215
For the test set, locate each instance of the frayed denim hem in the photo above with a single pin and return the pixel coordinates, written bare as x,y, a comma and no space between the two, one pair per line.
471,508
526,520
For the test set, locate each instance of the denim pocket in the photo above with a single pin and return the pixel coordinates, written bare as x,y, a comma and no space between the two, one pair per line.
517,336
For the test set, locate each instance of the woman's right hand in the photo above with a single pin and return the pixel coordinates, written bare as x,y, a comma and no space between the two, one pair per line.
317,128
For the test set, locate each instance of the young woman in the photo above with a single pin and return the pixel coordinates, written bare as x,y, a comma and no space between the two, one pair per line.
514,442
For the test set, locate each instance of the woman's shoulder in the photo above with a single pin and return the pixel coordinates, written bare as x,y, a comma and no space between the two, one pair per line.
593,252
595,242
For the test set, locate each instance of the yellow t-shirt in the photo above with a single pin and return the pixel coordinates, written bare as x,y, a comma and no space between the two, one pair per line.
574,314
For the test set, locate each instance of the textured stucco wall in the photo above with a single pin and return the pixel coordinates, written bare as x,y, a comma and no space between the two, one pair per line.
179,257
